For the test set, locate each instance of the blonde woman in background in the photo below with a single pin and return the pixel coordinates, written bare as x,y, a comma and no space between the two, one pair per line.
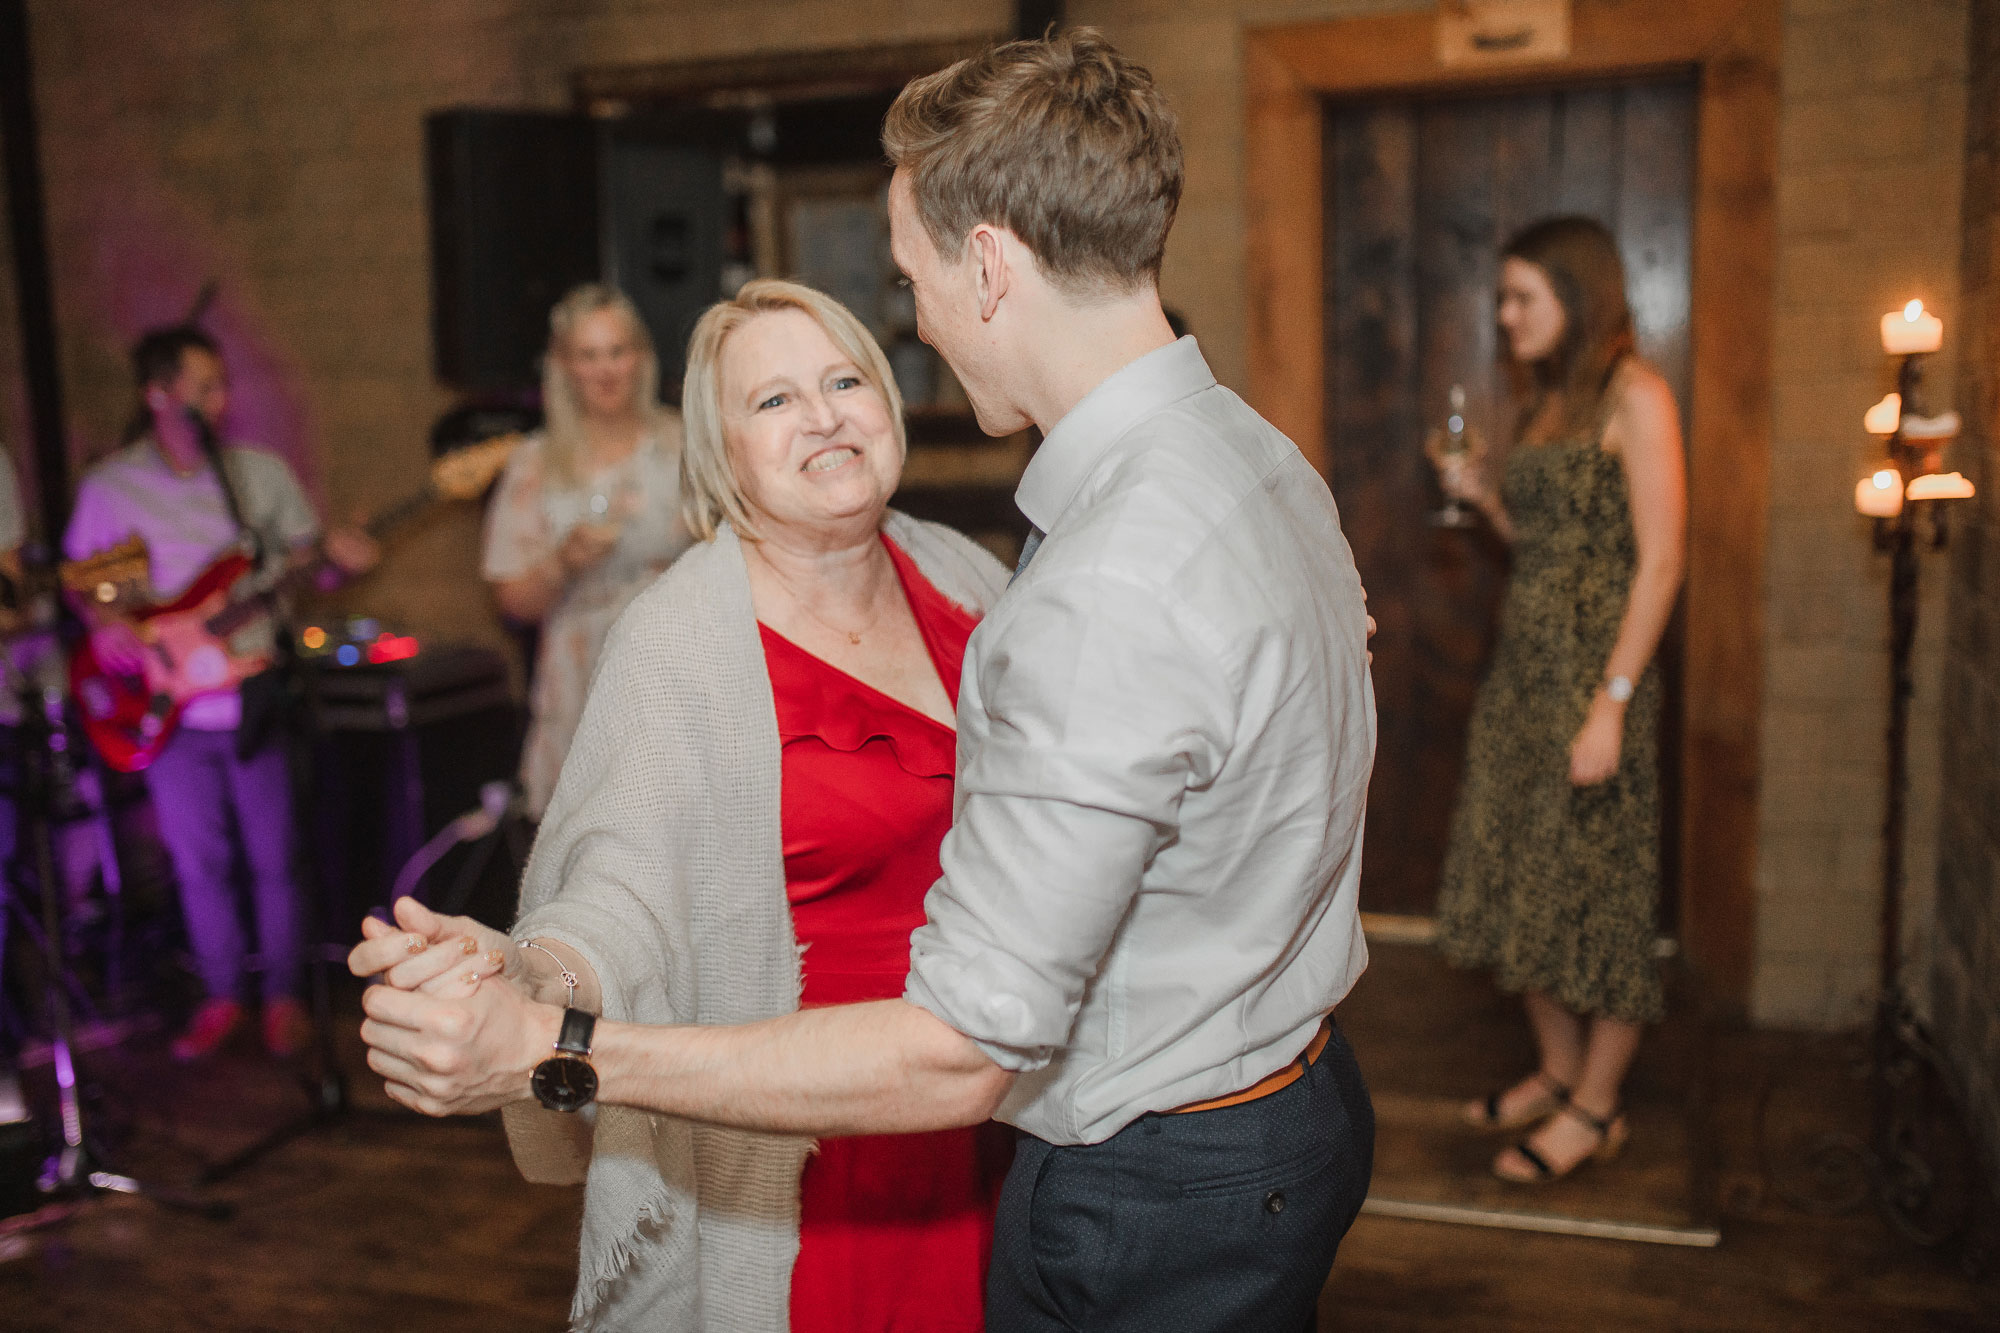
588,512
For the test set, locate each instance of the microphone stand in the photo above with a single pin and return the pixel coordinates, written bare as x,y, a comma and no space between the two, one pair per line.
80,1168
325,1086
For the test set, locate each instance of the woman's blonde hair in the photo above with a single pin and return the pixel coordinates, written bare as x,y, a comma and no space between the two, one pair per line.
562,425
710,491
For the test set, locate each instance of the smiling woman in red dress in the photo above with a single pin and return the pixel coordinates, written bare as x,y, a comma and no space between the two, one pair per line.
749,822
863,655
867,800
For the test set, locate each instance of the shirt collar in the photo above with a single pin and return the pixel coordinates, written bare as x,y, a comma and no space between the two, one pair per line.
151,443
1153,383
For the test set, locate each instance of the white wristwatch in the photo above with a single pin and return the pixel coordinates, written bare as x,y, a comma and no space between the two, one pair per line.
1620,689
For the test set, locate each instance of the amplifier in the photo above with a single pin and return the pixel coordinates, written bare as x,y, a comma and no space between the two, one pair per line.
403,748
435,685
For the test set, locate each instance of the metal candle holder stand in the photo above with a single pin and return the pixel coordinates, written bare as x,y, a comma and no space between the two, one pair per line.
1914,1117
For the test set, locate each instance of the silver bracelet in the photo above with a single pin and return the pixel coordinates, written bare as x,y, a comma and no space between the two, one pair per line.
569,977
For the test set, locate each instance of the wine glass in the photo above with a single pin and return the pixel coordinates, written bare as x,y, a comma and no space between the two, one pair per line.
1450,446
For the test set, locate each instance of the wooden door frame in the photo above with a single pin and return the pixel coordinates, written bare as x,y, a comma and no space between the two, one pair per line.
1733,48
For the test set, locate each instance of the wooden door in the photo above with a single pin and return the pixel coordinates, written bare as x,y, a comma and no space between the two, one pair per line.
1421,195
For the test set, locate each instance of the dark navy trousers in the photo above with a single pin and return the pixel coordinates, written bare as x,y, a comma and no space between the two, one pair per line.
1220,1221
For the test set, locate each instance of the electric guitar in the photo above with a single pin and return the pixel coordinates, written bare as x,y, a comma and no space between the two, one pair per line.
130,718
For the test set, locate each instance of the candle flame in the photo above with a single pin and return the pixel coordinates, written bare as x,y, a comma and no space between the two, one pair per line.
1885,479
1941,486
1885,416
1913,311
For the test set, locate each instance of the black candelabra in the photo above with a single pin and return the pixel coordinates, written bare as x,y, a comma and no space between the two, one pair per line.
1916,1160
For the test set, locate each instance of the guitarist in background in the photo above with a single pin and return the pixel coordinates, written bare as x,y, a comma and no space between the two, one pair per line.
210,796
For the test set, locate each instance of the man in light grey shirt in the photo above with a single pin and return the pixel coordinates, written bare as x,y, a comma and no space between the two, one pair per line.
1165,734
1148,905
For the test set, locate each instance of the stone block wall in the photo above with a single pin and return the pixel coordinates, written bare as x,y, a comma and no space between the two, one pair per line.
1967,978
1871,147
1870,167
276,146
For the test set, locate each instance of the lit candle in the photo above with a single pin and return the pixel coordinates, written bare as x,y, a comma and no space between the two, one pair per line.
1911,330
1938,486
1885,416
1880,495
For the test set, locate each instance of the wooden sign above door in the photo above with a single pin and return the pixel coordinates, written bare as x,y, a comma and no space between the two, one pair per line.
1497,32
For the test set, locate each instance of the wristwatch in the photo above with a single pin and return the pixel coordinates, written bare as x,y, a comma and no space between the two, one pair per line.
565,1081
1620,689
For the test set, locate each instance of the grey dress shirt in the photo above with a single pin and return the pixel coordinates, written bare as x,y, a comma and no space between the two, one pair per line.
1165,731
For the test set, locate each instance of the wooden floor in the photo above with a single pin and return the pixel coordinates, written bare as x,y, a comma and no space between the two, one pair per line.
1430,1037
385,1221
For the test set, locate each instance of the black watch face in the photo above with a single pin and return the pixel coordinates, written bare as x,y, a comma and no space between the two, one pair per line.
564,1083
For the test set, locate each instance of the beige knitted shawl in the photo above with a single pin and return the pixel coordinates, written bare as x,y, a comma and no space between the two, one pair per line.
660,861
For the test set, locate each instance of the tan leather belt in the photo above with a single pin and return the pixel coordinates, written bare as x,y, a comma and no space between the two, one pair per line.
1277,1082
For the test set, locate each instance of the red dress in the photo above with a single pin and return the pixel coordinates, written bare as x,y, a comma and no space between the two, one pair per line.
894,1230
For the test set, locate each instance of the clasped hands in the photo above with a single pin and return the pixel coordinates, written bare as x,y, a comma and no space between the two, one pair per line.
450,1029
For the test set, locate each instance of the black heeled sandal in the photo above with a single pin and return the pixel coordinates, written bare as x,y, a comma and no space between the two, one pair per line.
1486,1115
1612,1132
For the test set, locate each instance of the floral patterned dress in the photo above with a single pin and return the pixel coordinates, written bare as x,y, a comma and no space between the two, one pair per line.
1555,887
527,524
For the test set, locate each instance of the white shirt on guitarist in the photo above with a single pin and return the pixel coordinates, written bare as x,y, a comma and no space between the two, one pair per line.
186,526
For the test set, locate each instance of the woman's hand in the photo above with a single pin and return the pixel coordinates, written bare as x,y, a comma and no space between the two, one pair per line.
1463,475
459,1053
586,546
1593,755
431,953
351,550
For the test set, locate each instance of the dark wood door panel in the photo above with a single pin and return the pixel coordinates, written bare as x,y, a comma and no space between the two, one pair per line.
1371,362
1422,194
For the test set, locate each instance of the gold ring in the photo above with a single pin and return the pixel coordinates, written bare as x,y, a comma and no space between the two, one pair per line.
416,944
467,945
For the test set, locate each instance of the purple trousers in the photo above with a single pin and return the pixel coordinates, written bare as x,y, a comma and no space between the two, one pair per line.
208,802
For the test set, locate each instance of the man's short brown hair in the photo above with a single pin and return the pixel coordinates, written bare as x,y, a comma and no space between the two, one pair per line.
1064,142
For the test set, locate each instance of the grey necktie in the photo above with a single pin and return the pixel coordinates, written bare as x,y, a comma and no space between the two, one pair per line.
1028,549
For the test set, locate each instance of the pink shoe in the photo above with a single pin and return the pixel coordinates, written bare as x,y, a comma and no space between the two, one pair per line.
288,1029
213,1024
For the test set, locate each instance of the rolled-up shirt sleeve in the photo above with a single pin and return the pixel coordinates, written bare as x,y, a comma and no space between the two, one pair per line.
1099,702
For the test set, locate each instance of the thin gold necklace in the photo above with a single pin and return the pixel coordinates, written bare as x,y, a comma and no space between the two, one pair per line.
853,635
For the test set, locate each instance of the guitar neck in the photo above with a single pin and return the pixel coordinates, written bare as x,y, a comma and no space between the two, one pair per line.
237,614
401,512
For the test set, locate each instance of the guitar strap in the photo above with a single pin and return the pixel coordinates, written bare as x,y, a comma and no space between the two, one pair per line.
210,445
264,695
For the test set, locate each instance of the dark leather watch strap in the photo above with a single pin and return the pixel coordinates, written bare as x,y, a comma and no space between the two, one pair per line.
577,1029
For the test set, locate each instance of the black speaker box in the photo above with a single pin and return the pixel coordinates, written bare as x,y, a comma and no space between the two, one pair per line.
663,210
514,224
